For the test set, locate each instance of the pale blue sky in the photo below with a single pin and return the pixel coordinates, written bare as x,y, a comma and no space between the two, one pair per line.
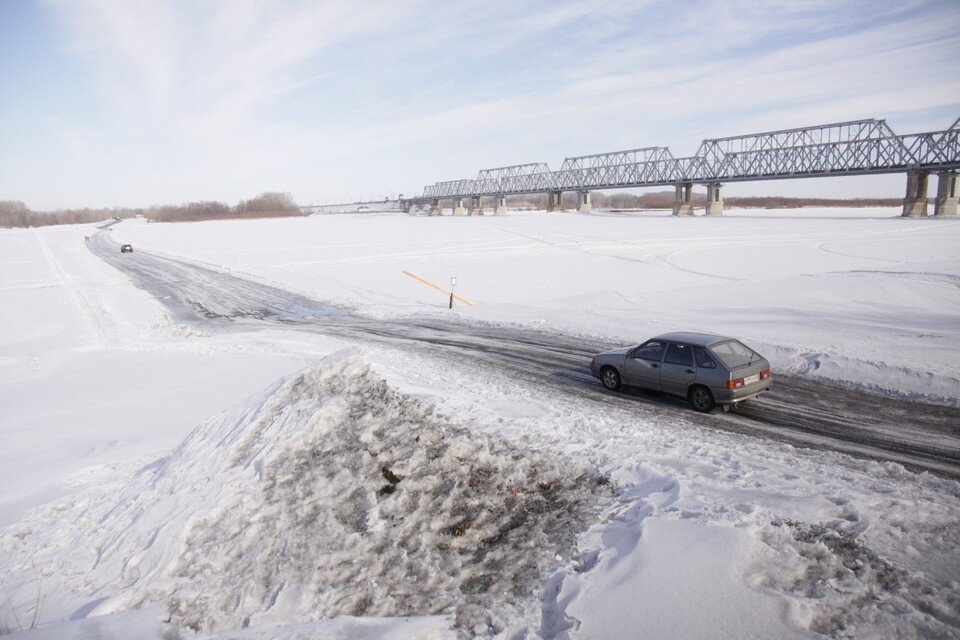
130,102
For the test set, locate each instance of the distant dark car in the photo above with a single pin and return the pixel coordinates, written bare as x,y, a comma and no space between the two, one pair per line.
127,248
708,370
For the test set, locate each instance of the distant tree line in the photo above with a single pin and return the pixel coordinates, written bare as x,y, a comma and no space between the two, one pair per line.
274,205
267,205
664,200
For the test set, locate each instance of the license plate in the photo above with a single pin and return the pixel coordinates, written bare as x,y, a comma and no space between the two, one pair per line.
751,379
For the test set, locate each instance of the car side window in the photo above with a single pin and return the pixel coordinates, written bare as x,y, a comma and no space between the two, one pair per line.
679,354
703,358
652,351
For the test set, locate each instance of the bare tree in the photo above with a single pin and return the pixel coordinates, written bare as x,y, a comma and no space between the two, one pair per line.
14,213
270,201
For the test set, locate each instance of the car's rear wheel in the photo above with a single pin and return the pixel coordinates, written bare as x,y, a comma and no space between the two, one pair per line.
701,399
610,378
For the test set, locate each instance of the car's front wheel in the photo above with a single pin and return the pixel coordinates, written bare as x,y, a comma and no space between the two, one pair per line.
610,378
701,399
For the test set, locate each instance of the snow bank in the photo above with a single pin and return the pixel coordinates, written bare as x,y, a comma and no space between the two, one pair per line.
665,561
92,369
143,624
842,587
329,495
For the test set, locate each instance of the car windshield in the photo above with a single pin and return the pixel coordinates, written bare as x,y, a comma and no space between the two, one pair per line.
734,354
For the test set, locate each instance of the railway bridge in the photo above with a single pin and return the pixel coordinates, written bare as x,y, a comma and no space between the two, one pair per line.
858,147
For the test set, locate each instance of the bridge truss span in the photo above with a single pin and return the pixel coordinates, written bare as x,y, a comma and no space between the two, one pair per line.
535,177
937,149
448,189
649,165
844,148
856,147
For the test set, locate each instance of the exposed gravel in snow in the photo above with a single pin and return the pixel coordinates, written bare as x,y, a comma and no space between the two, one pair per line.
329,495
700,542
828,564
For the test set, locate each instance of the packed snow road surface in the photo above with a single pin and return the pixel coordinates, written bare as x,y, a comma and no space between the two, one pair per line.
797,411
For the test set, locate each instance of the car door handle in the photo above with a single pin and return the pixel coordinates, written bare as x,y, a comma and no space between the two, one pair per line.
654,365
689,371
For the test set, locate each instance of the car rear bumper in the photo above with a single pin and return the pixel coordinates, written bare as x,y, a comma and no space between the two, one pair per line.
730,396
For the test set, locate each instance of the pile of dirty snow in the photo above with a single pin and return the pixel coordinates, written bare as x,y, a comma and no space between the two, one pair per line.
330,494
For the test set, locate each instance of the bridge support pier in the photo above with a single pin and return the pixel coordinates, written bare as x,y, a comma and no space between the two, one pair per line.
583,201
683,200
476,208
714,199
501,206
555,201
458,208
915,202
435,208
946,202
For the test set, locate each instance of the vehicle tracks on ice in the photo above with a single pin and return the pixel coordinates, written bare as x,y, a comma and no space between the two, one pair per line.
797,411
93,321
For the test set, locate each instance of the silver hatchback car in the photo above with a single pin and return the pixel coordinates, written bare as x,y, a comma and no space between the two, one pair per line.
706,369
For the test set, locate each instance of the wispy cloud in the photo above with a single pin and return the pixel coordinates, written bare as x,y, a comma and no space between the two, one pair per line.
222,98
136,47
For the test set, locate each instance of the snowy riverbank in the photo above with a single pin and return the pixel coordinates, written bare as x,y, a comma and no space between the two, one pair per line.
275,477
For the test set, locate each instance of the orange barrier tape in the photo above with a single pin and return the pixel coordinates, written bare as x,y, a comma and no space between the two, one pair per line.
437,287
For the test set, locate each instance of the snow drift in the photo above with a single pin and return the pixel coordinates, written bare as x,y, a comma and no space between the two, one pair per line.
331,494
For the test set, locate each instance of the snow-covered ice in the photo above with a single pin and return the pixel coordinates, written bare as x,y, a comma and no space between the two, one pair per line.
290,482
860,296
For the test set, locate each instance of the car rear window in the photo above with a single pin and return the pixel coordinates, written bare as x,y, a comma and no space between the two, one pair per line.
734,354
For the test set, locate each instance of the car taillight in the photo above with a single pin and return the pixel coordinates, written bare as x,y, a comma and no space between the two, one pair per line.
766,374
735,384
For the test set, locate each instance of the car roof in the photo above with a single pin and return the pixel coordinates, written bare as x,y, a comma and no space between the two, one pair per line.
689,337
